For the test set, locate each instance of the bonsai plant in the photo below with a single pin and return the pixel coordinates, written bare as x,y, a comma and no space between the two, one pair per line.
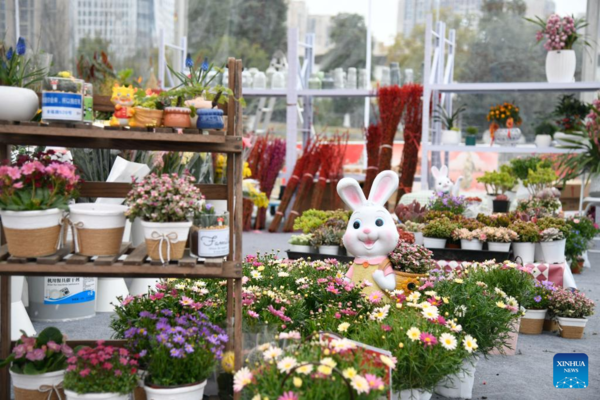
103,372
504,121
527,236
499,239
497,183
451,133
36,189
301,243
166,205
471,138
571,308
544,133
536,305
521,166
437,232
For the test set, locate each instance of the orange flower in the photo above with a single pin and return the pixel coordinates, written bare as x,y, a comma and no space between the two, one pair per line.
510,123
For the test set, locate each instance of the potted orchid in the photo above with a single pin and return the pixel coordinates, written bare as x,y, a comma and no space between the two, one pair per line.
536,305
35,190
470,239
100,373
571,308
37,365
166,205
553,245
499,239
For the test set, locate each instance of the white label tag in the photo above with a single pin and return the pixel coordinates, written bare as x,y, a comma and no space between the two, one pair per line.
69,290
213,242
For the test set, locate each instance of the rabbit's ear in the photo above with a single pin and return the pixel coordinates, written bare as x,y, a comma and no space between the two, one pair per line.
435,172
384,186
351,193
444,171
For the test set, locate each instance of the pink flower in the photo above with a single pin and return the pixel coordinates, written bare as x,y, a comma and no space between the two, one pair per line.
252,314
85,372
54,346
36,355
428,339
374,381
107,366
186,301
71,368
118,372
127,300
19,351
386,328
288,396
376,297
14,173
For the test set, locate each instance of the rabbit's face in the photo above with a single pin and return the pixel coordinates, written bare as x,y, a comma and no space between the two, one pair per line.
371,232
443,185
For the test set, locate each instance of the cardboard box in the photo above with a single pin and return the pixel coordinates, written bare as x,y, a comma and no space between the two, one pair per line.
569,196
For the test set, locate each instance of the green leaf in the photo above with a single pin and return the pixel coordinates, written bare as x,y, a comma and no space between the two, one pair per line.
50,334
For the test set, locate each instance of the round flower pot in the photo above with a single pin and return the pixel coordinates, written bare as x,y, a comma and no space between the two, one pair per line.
510,348
473,244
165,241
577,267
543,140
177,117
451,137
507,137
210,119
38,387
95,396
471,140
299,248
329,250
402,277
412,394
533,322
434,243
554,252
560,66
97,228
459,385
146,117
32,233
539,254
188,392
18,104
500,206
497,246
418,238
571,328
550,325
525,251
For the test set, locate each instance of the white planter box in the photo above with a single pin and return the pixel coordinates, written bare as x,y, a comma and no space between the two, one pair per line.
329,250
459,385
412,394
434,243
299,248
554,252
474,244
497,246
96,396
194,392
524,250
418,238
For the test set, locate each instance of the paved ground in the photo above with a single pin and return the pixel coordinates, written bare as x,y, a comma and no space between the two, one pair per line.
525,376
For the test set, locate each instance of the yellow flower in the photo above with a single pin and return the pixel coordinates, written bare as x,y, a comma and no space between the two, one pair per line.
501,304
445,300
297,382
343,327
387,361
65,74
349,373
247,172
401,345
305,369
228,362
458,281
324,369
329,362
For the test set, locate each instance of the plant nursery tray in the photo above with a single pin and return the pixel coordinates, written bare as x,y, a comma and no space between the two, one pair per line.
470,255
295,255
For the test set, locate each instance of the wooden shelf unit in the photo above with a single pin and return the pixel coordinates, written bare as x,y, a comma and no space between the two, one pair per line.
229,142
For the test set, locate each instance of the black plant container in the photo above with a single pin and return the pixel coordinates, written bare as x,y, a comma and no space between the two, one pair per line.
501,206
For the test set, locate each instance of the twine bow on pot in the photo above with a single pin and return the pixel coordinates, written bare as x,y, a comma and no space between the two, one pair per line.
168,238
51,389
74,228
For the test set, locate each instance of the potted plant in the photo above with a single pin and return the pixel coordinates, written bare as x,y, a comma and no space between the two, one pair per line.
148,110
447,203
411,261
560,35
416,229
101,373
17,101
499,239
498,182
553,245
524,245
36,190
571,308
412,217
301,243
544,134
536,306
37,365
166,205
470,239
437,232
328,237
451,133
97,228
210,233
471,138
504,121
501,204
181,356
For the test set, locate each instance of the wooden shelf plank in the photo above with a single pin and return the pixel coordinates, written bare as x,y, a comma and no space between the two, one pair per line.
120,190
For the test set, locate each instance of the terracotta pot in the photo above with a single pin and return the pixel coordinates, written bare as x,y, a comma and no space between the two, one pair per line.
177,117
577,267
146,117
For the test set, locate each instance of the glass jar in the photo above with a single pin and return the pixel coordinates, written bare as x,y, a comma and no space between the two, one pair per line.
314,82
210,235
351,81
88,103
327,81
62,99
362,79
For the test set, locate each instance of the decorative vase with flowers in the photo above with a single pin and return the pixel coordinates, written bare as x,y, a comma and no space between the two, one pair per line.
505,120
570,308
36,189
166,205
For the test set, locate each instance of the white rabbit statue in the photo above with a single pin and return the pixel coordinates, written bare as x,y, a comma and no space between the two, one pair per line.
443,183
371,233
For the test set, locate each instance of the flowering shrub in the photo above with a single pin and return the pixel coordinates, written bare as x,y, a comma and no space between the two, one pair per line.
466,234
502,235
39,355
551,234
504,115
103,369
37,182
553,222
315,370
527,232
570,304
448,203
558,33
510,279
411,258
301,240
539,297
165,198
440,228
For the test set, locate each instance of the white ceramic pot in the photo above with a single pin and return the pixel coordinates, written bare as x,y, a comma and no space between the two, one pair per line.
560,66
451,137
571,328
97,228
194,392
539,254
299,248
474,244
18,104
532,323
507,137
174,235
412,394
554,252
434,243
497,246
566,139
418,238
22,229
95,396
329,250
34,382
525,251
543,140
459,385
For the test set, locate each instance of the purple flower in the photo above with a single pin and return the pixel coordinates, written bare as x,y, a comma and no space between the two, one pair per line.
166,312
9,54
19,351
188,348
143,353
162,338
179,339
188,61
209,206
537,298
129,333
205,64
147,314
177,353
21,46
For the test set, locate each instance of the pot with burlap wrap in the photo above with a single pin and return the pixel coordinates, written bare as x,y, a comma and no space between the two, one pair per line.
32,233
97,228
165,241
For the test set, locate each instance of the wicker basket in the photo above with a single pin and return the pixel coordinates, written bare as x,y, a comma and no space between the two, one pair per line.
531,326
571,328
402,277
550,325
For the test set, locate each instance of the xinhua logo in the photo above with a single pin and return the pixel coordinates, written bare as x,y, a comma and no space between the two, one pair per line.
571,371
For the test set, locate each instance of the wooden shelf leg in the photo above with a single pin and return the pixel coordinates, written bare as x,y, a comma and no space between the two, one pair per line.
230,315
5,338
238,336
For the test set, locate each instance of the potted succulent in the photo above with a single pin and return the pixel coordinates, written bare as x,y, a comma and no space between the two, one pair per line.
101,373
37,365
17,101
166,205
524,245
36,191
328,237
544,134
148,110
471,138
536,306
504,121
451,133
416,228
499,239
570,308
553,245
301,243
210,233
437,232
470,239
412,217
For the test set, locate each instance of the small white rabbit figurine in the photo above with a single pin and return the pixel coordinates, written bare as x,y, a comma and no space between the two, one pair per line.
371,233
443,183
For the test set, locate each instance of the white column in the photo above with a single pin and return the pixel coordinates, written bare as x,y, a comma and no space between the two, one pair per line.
292,103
